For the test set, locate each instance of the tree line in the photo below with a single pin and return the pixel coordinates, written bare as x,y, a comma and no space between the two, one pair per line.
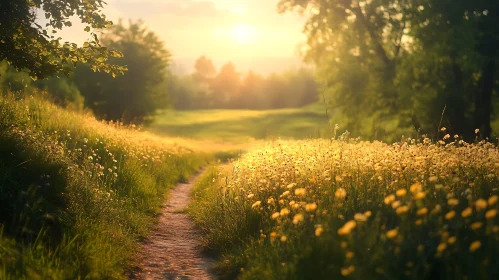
148,86
229,89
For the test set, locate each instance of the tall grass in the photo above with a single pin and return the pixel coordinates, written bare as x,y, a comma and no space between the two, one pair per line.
321,209
76,194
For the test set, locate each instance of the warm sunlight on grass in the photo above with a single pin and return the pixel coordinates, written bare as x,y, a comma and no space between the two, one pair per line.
325,209
239,126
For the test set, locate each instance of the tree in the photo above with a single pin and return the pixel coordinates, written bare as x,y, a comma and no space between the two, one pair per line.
142,90
204,68
27,45
226,84
394,65
356,46
464,36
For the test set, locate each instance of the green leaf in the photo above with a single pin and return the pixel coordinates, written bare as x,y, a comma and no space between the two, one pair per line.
86,45
87,29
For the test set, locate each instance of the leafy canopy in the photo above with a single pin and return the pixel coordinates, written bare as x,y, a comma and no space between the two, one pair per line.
29,46
142,90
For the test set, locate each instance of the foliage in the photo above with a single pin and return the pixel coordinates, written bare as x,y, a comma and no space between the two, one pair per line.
323,209
141,91
27,45
76,193
59,89
404,61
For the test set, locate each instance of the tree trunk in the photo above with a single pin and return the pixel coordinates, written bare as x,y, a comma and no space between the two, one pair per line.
483,102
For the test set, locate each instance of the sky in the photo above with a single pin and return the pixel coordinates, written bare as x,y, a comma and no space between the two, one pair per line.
250,33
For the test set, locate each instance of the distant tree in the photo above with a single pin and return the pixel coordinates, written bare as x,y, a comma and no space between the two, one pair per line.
251,95
142,90
277,91
204,68
226,84
27,45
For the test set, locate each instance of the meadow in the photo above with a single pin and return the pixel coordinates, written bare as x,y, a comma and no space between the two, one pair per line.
329,209
78,194
241,126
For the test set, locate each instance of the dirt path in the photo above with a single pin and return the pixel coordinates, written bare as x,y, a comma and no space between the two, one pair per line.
173,250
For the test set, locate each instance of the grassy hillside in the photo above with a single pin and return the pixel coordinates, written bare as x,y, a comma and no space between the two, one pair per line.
241,125
319,209
76,193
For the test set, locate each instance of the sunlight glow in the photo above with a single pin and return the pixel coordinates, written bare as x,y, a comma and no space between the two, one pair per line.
243,33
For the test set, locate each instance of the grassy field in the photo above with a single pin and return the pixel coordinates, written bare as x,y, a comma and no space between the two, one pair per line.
320,209
77,194
239,126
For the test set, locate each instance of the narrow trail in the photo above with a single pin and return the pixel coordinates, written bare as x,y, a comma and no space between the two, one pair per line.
173,250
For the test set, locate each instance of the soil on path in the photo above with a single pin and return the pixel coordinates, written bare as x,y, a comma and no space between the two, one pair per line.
173,249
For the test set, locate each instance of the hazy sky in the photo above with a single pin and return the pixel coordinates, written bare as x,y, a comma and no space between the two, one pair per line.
248,32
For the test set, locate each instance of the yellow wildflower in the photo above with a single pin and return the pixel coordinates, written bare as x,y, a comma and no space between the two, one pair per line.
284,238
491,214
396,204
476,225
402,210
298,218
401,192
392,233
311,207
300,191
349,255
451,240
318,231
467,212
347,270
492,200
340,193
416,188
475,245
284,212
450,215
256,204
480,204
273,235
422,211
360,217
441,247
389,199
275,215
347,228
452,202
420,195
433,179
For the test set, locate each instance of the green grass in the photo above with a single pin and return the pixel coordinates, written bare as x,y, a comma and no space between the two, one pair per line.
77,194
319,209
239,126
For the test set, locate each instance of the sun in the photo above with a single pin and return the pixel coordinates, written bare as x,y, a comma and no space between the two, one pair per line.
243,33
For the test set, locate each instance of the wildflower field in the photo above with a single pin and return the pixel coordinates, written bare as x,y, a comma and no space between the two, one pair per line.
327,209
76,193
